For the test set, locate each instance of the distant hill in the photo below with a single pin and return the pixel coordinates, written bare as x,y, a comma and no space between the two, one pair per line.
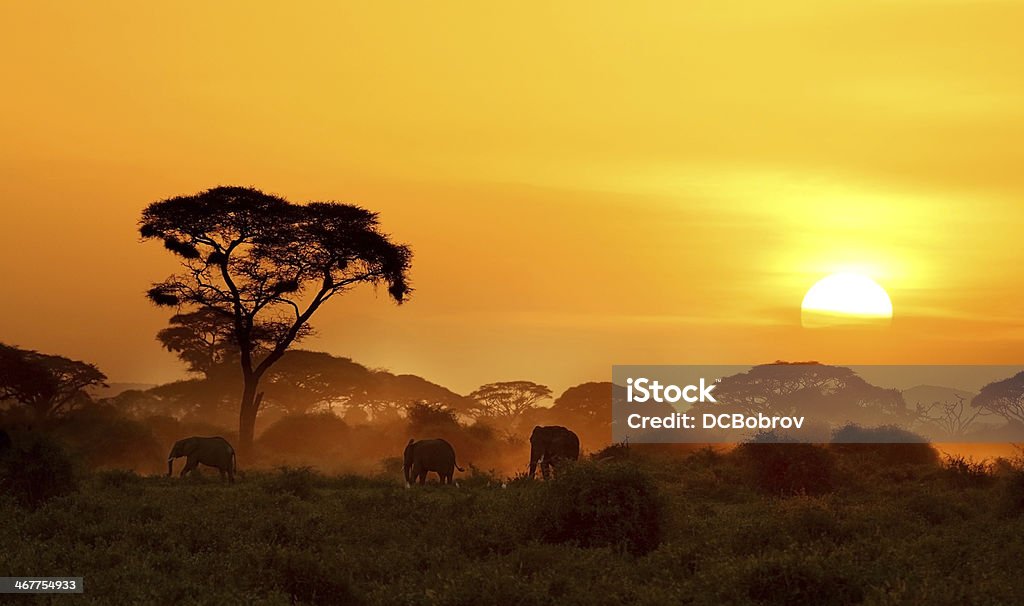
115,388
928,394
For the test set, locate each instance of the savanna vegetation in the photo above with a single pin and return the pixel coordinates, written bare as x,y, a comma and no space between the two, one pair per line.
765,523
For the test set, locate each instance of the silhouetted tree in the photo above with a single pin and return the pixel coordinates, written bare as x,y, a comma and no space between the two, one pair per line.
268,265
587,410
388,395
953,416
46,384
826,393
306,380
205,339
1004,398
508,399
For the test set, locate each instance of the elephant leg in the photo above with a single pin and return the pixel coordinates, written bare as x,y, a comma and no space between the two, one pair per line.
545,468
190,464
223,474
231,476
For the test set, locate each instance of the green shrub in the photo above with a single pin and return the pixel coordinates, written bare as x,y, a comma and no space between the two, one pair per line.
613,452
799,582
117,478
884,446
102,438
36,469
601,505
307,578
298,482
1011,492
480,478
964,472
934,508
787,469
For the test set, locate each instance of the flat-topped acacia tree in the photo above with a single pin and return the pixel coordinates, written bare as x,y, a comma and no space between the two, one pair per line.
267,265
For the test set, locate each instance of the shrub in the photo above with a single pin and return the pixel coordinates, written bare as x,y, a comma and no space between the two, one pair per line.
1011,493
305,435
884,446
964,472
117,478
480,478
307,578
787,469
601,505
37,470
613,452
790,581
102,439
298,482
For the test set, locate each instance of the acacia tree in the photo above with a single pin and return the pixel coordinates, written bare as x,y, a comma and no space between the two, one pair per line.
1004,398
508,399
46,384
268,265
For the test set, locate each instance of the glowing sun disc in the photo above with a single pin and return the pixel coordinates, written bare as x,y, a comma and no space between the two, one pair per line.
845,298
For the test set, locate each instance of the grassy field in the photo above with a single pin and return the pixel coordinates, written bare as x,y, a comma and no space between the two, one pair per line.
699,529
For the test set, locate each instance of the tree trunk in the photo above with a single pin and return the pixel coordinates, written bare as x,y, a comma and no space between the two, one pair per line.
247,416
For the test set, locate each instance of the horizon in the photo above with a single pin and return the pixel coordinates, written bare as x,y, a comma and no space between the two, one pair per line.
673,206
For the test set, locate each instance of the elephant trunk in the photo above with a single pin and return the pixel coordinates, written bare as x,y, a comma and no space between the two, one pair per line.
170,466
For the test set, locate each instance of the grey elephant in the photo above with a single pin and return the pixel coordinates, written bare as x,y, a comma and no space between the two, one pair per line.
215,452
550,446
429,455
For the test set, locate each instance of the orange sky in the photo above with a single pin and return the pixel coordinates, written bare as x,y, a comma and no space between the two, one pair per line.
583,184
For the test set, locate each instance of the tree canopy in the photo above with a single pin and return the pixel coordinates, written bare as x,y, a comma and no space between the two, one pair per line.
267,265
1004,398
509,398
46,384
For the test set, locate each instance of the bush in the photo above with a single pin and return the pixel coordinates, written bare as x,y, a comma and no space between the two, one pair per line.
103,439
787,469
305,435
36,470
884,446
789,581
307,578
601,505
613,452
1011,492
298,482
118,478
964,472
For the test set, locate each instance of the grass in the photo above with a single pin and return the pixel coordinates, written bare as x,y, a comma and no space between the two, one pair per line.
922,534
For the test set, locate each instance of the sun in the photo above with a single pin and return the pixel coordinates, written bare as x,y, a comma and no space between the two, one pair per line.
843,299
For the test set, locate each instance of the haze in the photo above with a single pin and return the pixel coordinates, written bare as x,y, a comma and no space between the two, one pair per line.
581,186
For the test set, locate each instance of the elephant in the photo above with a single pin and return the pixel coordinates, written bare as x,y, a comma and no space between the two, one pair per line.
551,446
429,455
5,441
215,452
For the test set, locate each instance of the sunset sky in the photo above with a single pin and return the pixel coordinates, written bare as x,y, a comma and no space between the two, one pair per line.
582,185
